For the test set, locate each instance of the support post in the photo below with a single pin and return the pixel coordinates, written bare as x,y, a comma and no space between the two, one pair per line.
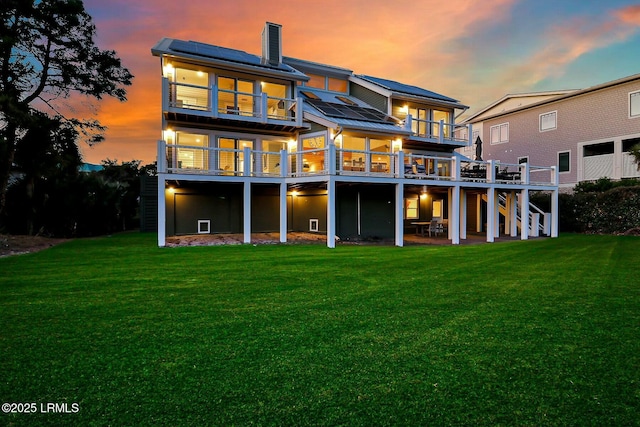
463,214
283,212
478,213
513,213
331,158
524,214
454,216
399,215
162,211
496,218
247,212
284,165
331,213
246,156
491,213
554,213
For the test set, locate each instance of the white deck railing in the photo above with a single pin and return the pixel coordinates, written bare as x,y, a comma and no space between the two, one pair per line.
214,102
439,131
186,159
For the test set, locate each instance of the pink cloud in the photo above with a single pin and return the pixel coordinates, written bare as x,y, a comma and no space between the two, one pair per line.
370,37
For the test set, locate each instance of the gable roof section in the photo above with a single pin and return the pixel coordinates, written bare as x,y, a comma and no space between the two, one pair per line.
217,55
571,94
404,90
525,98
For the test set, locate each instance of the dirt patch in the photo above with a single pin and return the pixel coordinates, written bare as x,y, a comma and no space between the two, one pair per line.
16,245
237,239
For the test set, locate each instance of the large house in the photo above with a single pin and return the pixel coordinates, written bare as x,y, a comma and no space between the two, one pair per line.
266,143
588,133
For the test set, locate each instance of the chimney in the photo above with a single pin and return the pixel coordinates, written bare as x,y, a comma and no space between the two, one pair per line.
272,43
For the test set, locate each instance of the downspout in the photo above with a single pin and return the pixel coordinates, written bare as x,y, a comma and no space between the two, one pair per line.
464,110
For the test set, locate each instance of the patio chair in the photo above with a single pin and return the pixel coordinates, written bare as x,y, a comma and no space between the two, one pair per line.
435,227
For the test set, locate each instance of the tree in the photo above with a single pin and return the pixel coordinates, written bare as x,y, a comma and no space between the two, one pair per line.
48,53
48,151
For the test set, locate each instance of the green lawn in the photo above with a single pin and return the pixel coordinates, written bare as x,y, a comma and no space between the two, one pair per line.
543,332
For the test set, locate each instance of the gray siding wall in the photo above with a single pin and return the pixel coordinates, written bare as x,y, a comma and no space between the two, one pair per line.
370,97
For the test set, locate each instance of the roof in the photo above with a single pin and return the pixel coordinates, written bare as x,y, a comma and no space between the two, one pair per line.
570,94
513,96
330,109
218,54
405,89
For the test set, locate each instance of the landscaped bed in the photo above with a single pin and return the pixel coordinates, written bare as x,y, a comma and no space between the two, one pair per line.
541,332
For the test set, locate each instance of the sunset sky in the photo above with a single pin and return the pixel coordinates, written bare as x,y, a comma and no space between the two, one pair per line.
474,51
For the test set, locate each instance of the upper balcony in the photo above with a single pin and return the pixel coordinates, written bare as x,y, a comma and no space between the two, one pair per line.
332,160
192,103
439,132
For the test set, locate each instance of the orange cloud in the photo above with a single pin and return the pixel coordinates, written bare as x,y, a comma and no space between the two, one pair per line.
379,38
629,15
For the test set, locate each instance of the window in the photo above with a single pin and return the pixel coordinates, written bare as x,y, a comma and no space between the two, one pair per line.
309,95
419,121
337,85
190,89
231,154
411,210
316,81
191,156
500,133
564,161
446,118
548,121
235,96
634,104
346,100
277,104
313,161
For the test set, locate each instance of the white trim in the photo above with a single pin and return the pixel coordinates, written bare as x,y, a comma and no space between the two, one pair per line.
558,157
554,114
314,225
206,229
499,128
636,93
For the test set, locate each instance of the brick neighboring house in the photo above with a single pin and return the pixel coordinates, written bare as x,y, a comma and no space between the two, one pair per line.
267,143
587,133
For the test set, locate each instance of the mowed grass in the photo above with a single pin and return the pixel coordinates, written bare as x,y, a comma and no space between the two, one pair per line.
542,332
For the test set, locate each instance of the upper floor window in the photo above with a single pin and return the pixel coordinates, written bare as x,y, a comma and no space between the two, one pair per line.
189,88
500,133
235,96
548,121
327,83
337,85
634,104
445,117
315,80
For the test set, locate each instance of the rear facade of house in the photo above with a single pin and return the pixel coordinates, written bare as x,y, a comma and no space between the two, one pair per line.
267,143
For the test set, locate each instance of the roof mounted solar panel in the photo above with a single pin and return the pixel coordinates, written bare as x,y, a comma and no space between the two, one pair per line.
354,112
